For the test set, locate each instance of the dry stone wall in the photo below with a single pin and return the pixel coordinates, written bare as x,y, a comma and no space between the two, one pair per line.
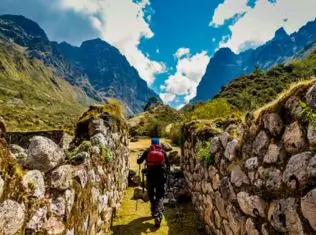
259,177
44,190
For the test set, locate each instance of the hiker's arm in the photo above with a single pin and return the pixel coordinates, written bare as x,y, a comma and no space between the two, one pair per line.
143,157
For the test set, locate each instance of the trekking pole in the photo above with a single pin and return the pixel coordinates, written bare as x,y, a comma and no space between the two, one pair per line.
139,166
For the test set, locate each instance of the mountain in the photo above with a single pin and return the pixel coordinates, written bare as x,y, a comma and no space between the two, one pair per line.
96,67
109,73
226,65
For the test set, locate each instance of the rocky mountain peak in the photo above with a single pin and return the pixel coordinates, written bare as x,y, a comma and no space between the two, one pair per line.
280,35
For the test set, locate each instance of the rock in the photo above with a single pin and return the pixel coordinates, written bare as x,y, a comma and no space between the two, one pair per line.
227,229
81,176
134,139
311,97
61,178
79,159
97,126
54,226
311,135
296,169
294,107
1,186
308,207
230,151
252,163
251,228
235,218
58,206
238,177
220,205
260,145
12,216
274,179
264,229
33,183
174,158
273,123
251,205
37,220
272,154
69,200
215,145
166,147
140,194
293,138
19,153
283,216
43,154
218,219
99,139
216,182
2,127
224,139
227,190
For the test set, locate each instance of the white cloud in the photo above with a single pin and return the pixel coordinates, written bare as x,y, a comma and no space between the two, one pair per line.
259,24
189,72
121,23
182,52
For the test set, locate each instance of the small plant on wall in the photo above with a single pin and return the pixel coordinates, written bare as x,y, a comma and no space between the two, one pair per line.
203,152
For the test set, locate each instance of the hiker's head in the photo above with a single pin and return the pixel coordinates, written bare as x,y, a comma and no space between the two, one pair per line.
155,141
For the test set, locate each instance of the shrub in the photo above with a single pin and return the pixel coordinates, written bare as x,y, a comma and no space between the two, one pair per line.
204,152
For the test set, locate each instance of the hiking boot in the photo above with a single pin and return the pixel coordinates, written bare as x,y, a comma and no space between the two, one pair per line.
157,222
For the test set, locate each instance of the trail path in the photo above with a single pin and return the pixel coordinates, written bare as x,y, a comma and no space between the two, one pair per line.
130,221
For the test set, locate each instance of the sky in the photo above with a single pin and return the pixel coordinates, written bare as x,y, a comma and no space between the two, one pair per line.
169,42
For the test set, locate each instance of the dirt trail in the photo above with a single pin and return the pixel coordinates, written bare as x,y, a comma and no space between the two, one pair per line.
130,221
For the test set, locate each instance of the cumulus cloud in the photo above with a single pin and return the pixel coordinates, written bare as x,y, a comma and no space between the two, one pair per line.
189,72
182,52
258,24
122,23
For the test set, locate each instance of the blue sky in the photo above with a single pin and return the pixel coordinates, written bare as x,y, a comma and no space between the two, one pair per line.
169,42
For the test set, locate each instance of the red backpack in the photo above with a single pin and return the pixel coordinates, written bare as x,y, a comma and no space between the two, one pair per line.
155,156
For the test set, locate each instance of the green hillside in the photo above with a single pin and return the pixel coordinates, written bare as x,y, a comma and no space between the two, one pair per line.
32,97
252,91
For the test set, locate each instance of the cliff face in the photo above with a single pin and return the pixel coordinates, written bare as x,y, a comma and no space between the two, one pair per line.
258,177
46,190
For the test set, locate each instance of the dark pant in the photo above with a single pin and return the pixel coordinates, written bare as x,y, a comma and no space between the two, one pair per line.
156,180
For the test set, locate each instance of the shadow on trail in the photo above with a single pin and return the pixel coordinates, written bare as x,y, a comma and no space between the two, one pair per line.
136,227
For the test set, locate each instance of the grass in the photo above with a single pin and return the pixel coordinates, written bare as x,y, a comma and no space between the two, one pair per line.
32,97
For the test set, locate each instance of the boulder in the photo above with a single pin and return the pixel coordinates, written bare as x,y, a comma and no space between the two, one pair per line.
12,215
19,153
54,226
230,151
273,153
238,177
308,207
97,126
252,163
260,145
174,157
294,107
224,139
311,135
58,206
293,138
166,147
37,221
44,154
251,205
273,123
33,183
296,169
139,193
61,178
215,145
284,218
311,97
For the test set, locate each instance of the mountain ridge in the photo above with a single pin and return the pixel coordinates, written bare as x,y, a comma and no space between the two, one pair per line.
96,79
280,49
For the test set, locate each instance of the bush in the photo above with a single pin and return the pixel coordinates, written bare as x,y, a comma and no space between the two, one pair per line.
204,152
176,134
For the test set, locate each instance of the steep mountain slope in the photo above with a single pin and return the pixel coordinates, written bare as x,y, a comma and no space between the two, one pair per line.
32,96
109,73
97,67
225,65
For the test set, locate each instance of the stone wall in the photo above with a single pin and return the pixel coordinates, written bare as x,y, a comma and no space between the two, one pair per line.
23,138
45,190
258,177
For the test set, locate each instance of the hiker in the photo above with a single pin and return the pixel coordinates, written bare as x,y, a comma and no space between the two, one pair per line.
157,168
